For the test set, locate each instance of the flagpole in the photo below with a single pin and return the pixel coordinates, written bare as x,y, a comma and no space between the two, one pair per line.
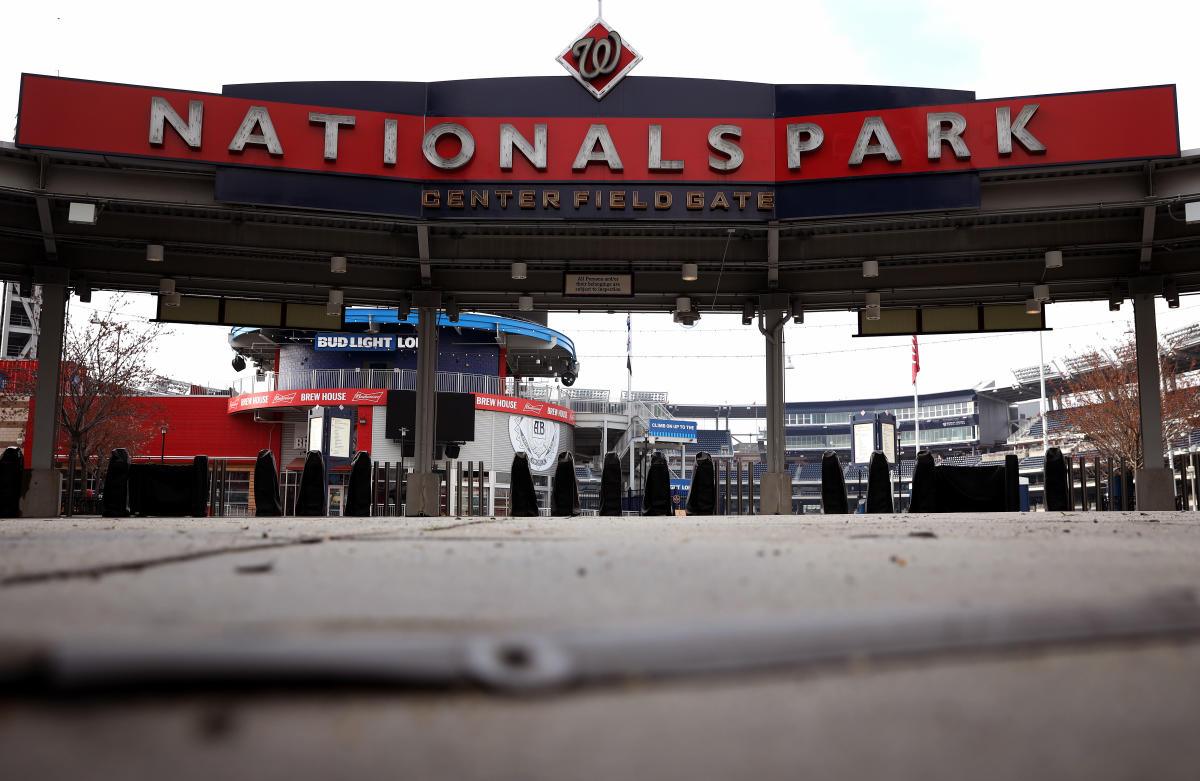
629,396
916,369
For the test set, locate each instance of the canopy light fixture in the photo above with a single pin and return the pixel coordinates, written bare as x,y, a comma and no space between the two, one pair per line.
403,307
797,311
1115,298
1033,307
333,306
691,272
870,269
166,286
171,299
747,312
81,213
1041,292
685,315
1171,293
519,270
1053,258
451,309
525,303
337,264
83,289
872,302
154,253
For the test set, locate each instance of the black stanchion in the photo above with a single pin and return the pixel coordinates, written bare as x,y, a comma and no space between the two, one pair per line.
267,503
564,494
702,494
922,489
656,500
313,496
200,487
833,486
12,476
116,485
879,485
1057,489
358,490
522,502
610,485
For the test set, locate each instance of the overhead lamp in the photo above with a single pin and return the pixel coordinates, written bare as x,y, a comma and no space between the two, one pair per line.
403,307
747,312
797,309
1033,306
1053,258
870,269
1170,292
872,306
333,306
166,286
451,306
1115,298
519,270
83,290
685,315
691,272
154,253
337,264
1041,292
81,213
525,303
171,299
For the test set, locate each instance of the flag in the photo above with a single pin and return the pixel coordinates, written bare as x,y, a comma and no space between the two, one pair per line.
916,360
628,343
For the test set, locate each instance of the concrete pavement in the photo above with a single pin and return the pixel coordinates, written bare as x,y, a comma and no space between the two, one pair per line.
1096,710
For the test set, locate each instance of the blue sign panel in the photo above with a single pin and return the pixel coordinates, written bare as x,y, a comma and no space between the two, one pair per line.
363,342
680,430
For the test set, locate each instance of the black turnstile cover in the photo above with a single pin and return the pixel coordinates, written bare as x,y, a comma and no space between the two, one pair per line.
313,496
12,475
267,502
922,492
833,486
879,485
610,485
1058,488
656,500
358,490
702,494
564,497
116,485
522,501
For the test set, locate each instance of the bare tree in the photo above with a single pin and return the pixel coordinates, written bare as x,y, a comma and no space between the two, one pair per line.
1100,401
106,365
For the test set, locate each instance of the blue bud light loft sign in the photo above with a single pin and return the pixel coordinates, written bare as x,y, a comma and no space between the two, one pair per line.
364,342
675,430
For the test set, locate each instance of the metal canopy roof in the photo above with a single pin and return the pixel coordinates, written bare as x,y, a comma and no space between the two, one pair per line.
1112,221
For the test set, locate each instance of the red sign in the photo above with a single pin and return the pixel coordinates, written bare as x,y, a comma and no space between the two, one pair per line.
378,397
117,119
515,406
307,398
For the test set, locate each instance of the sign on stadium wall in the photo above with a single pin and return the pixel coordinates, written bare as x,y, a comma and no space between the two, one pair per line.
526,148
378,397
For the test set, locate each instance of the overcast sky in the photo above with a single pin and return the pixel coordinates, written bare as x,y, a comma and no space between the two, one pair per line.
996,49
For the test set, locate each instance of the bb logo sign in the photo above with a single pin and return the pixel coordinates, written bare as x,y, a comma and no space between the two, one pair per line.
599,58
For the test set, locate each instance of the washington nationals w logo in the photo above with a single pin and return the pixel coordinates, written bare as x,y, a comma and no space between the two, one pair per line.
599,58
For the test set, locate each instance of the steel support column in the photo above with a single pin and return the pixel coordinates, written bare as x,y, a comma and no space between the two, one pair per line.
423,483
1155,483
775,488
45,485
